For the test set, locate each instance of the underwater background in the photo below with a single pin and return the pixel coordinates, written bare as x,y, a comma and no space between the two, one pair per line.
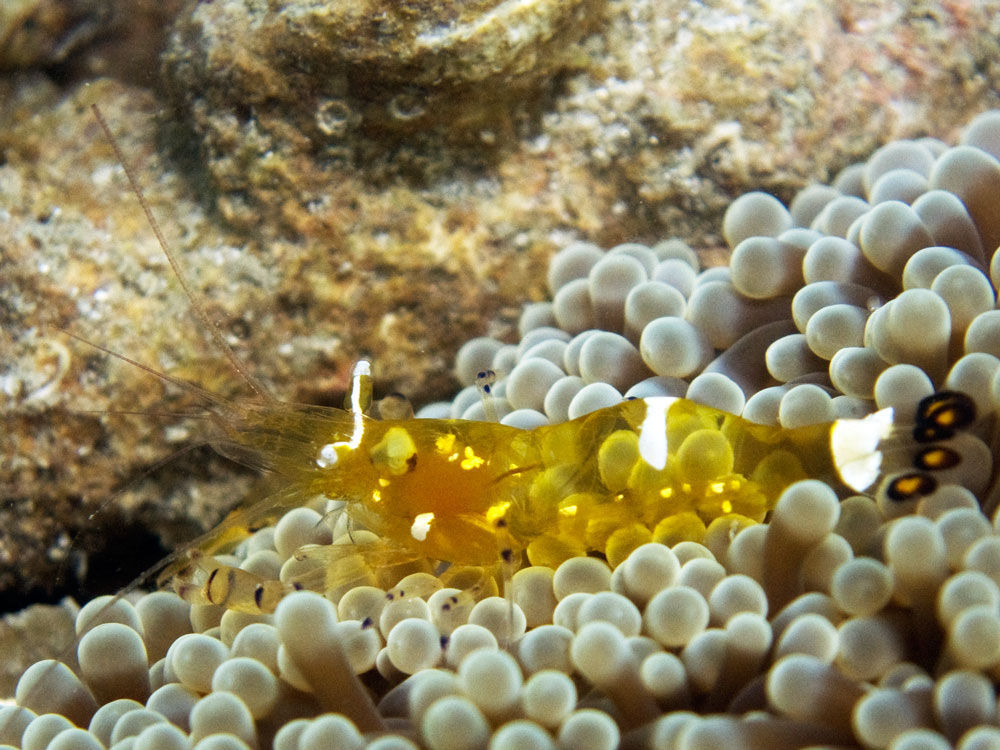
381,179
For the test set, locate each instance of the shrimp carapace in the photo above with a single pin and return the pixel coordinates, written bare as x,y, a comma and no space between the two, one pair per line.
655,469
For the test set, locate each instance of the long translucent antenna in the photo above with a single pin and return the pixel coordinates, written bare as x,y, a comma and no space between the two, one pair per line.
204,393
142,413
207,323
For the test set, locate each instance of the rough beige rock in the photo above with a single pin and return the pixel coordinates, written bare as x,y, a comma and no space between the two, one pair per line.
648,126
80,256
403,246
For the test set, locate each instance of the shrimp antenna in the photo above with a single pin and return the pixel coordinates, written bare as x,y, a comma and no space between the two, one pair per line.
207,323
143,413
203,393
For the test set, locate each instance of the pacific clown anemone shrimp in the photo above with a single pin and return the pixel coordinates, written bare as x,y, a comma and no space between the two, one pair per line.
474,501
484,495
414,506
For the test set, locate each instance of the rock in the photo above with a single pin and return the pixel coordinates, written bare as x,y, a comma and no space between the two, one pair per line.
315,233
78,39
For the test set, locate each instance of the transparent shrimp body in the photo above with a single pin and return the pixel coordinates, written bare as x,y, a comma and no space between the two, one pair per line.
472,493
478,493
483,494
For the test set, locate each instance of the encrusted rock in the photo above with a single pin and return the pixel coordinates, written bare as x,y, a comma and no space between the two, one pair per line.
403,241
289,99
37,33
79,255
80,38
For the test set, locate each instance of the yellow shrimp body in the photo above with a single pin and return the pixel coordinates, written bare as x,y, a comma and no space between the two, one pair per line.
478,493
475,493
471,492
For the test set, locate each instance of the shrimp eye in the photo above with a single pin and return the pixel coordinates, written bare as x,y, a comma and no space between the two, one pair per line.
485,380
937,457
941,414
910,486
